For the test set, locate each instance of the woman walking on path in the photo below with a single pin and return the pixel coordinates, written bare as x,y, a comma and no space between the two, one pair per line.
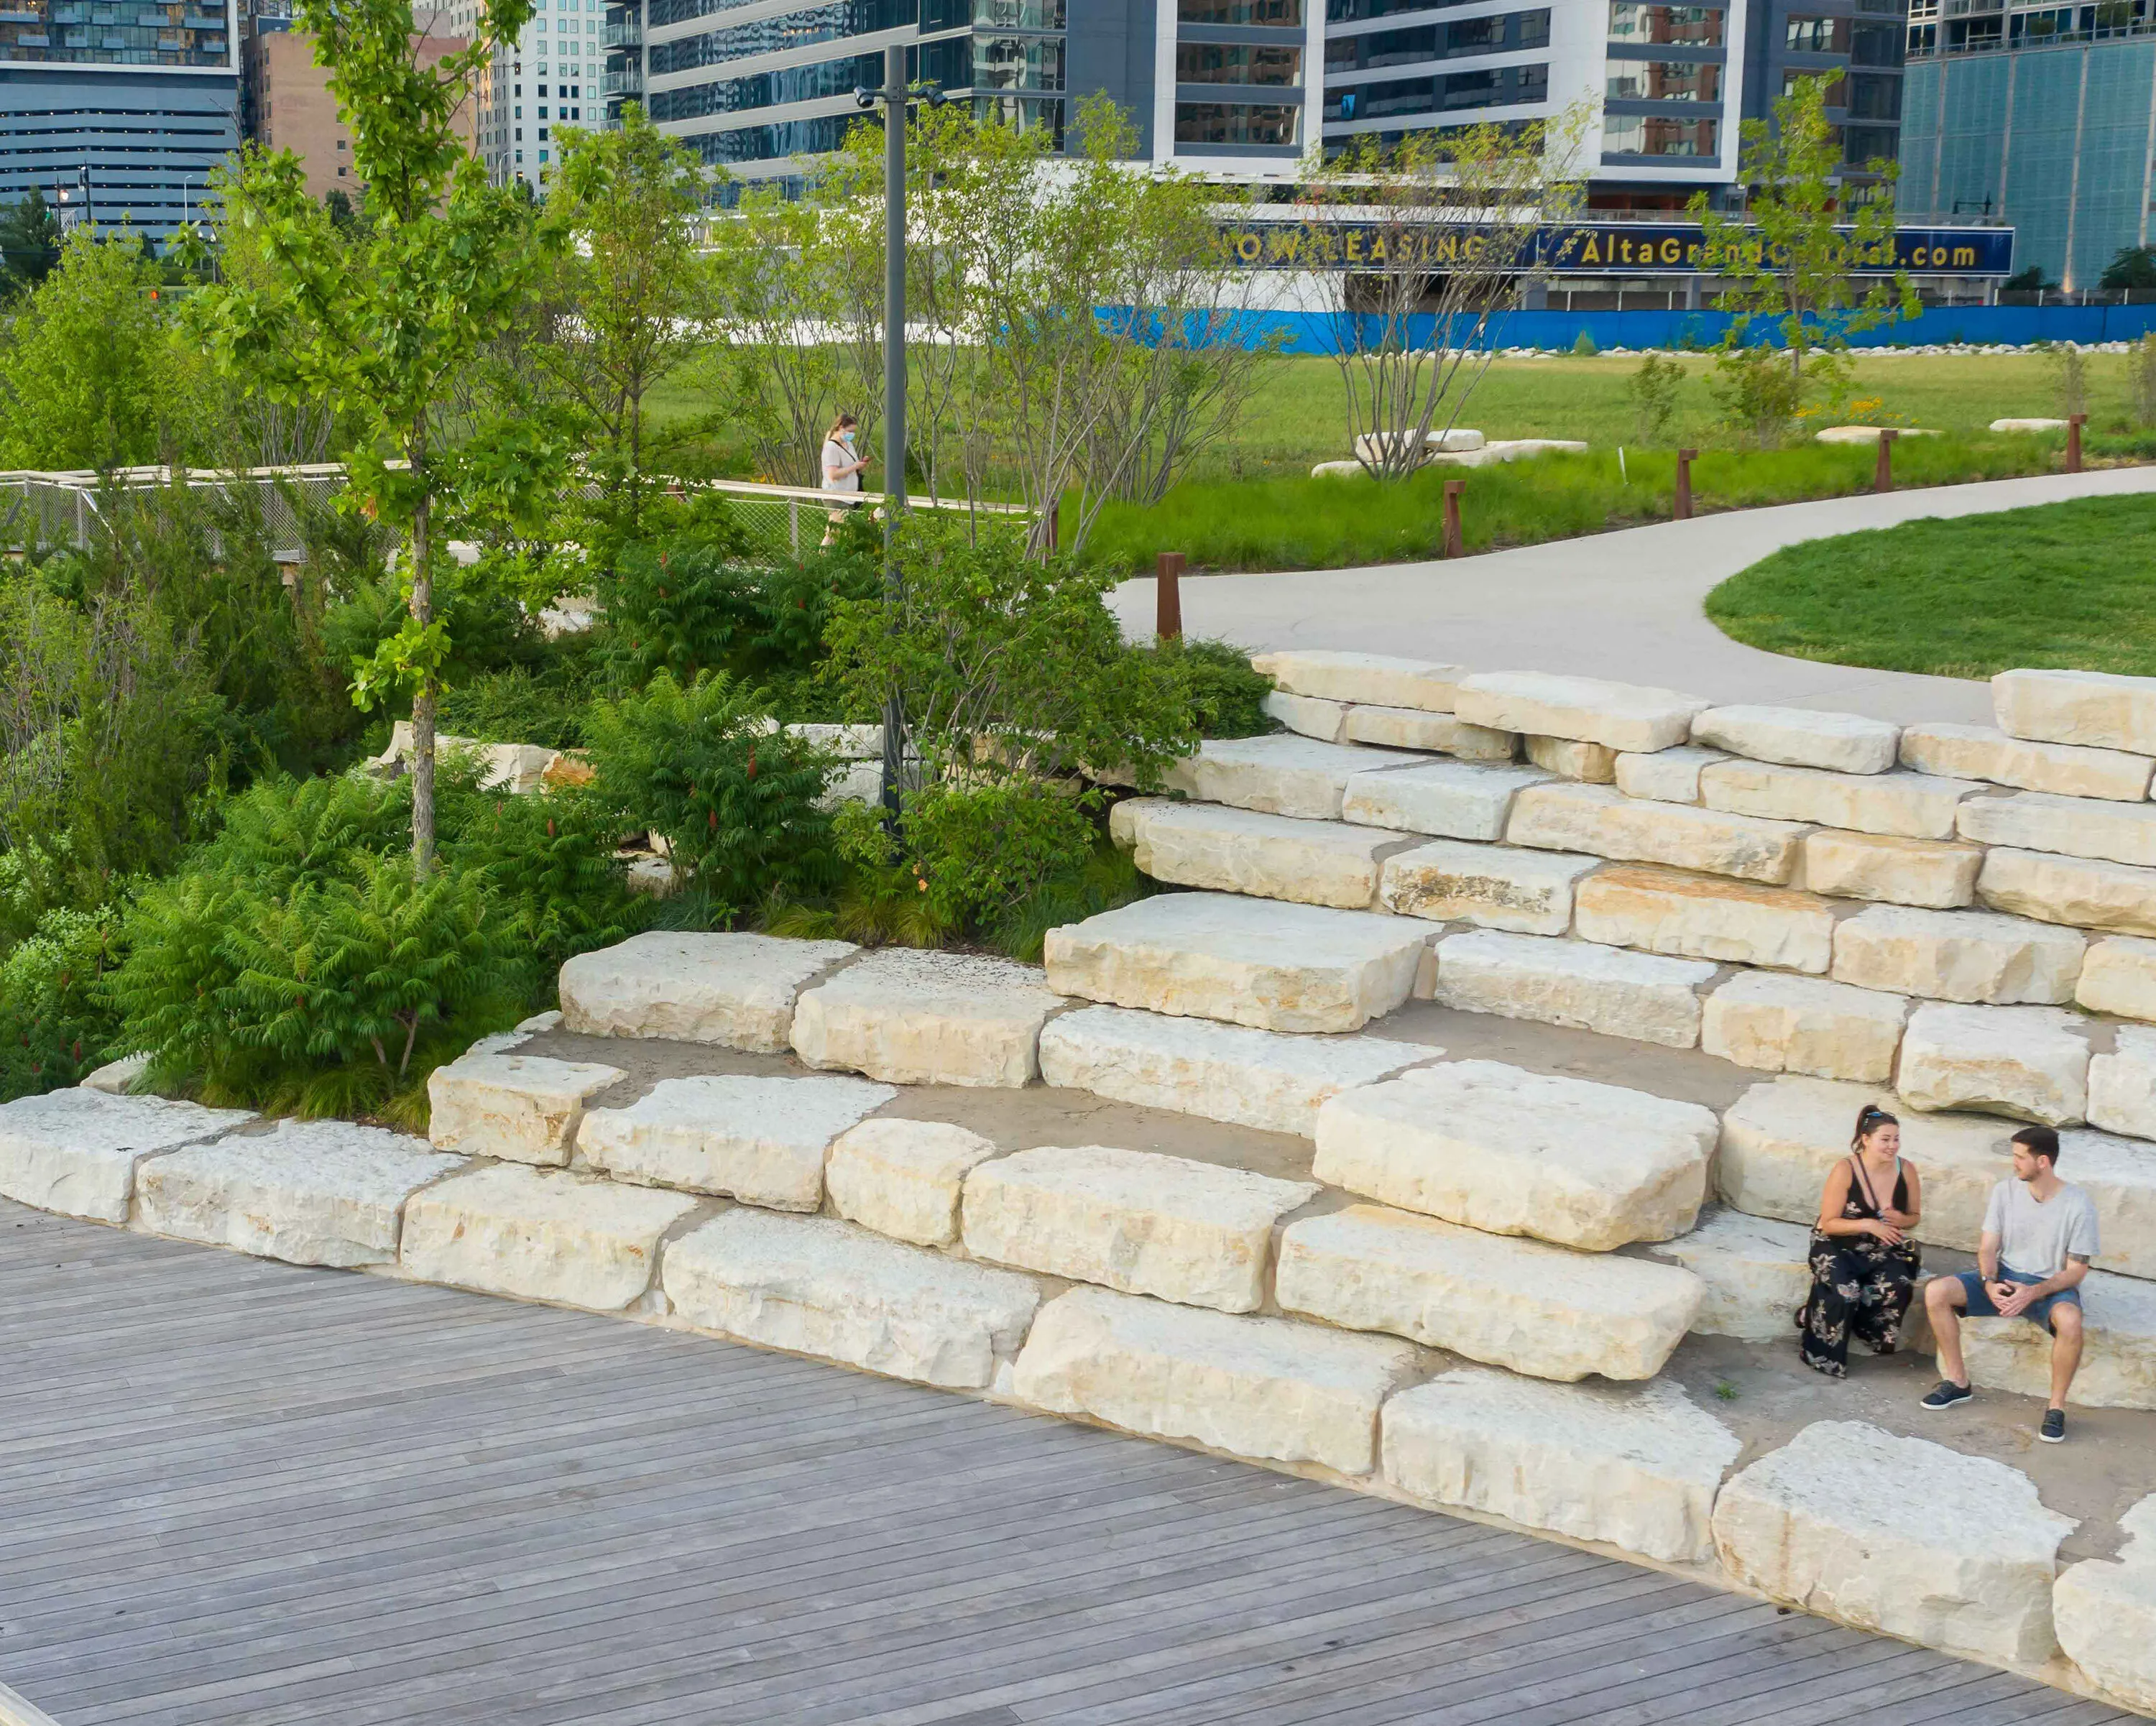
1864,1264
842,468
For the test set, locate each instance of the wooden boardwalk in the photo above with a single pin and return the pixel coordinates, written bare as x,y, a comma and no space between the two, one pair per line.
234,1491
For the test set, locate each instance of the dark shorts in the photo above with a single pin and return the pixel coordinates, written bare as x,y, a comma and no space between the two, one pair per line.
1981,1305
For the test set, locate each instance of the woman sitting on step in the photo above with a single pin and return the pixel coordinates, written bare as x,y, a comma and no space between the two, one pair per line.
1863,1262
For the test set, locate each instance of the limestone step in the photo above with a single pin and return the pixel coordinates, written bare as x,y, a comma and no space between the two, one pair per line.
1901,1536
1491,886
1800,737
76,1151
524,1109
2118,976
1779,1023
763,1140
1497,1148
1279,776
1281,856
2091,827
1756,1273
2120,1176
1687,916
1635,1468
1939,874
2072,890
1263,1388
1568,758
1602,822
817,1286
2105,1613
1901,804
1542,1310
309,1192
1212,955
908,1017
736,991
540,1234
1622,716
1133,1220
1973,956
904,1178
1454,799
2029,1062
1986,753
2100,709
2118,1347
1224,1073
1434,733
1306,715
1665,776
1576,983
1377,679
2121,1083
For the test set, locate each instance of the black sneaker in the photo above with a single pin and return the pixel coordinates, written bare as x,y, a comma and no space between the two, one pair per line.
1947,1394
2054,1429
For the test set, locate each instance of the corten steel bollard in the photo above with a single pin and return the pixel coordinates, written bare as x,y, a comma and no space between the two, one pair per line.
1686,458
1168,597
2075,422
1454,545
1882,476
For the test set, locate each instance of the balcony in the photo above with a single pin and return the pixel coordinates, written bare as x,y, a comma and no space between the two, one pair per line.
623,81
627,34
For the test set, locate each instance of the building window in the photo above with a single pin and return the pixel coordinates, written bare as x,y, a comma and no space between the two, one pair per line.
1222,63
1285,13
1875,98
1658,25
1233,123
1664,81
1496,87
1653,135
1818,35
341,170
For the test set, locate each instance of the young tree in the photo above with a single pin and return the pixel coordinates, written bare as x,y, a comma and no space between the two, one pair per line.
381,319
29,243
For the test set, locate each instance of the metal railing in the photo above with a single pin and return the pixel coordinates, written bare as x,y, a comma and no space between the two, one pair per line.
777,517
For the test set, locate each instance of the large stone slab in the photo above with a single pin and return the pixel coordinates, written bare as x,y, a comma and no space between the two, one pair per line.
904,1178
1517,1153
1542,1310
1901,1536
1908,806
525,1108
1436,733
1636,1469
1380,679
1786,1024
1800,737
911,1018
76,1151
2121,1085
738,991
1277,775
2120,1176
1957,956
1624,716
2029,1062
816,1286
309,1192
2118,976
2105,1612
2118,1347
1668,775
1567,757
1756,1272
2097,709
1576,983
1937,874
1306,715
1456,800
1986,753
1605,822
1211,955
1224,1073
1265,1388
540,1234
1705,917
1308,863
1131,1220
1491,886
2073,827
763,1140
2072,890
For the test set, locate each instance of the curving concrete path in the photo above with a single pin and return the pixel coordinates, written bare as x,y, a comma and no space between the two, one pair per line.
1624,605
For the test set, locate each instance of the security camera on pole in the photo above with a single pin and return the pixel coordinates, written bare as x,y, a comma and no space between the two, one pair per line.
896,96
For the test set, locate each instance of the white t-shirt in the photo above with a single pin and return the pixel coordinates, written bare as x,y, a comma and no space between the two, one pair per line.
2035,1238
837,458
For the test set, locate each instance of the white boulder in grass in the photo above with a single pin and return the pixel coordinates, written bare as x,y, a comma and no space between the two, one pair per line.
907,1016
1623,716
1899,1535
1971,956
1375,679
2098,709
1131,1220
1779,1023
525,1108
1277,775
118,1078
1512,1152
309,1192
904,1178
2105,1613
2029,1062
1800,737
1311,863
1266,1388
1633,1468
736,991
759,1139
76,1151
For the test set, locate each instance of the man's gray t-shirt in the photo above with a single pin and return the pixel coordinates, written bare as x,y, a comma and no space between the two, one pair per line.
2035,1239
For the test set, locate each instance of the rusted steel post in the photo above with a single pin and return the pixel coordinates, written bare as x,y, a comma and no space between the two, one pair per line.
1168,597
1882,476
2075,422
1686,458
1454,545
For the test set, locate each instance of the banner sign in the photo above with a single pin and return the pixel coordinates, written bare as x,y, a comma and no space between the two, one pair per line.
1577,247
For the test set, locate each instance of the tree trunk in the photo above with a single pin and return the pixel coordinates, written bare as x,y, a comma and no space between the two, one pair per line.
422,699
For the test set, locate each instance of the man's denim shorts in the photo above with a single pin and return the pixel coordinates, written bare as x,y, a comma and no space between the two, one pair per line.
1981,1305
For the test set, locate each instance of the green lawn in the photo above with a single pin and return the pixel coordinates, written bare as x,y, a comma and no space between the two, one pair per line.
2066,584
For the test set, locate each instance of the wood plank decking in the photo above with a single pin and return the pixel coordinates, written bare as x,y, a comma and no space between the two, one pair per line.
235,1492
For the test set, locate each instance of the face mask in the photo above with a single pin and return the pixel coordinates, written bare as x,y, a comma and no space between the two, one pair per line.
845,437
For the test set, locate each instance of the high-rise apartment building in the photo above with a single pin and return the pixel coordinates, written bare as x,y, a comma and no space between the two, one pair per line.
117,112
546,80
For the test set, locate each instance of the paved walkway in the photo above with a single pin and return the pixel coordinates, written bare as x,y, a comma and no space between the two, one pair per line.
1620,605
234,1491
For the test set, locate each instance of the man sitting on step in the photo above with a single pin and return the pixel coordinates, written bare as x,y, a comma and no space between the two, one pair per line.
2039,1236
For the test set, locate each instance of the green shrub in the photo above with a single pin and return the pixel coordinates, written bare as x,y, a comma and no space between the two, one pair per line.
55,1025
515,705
283,833
1653,389
549,864
1226,696
1758,390
984,848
